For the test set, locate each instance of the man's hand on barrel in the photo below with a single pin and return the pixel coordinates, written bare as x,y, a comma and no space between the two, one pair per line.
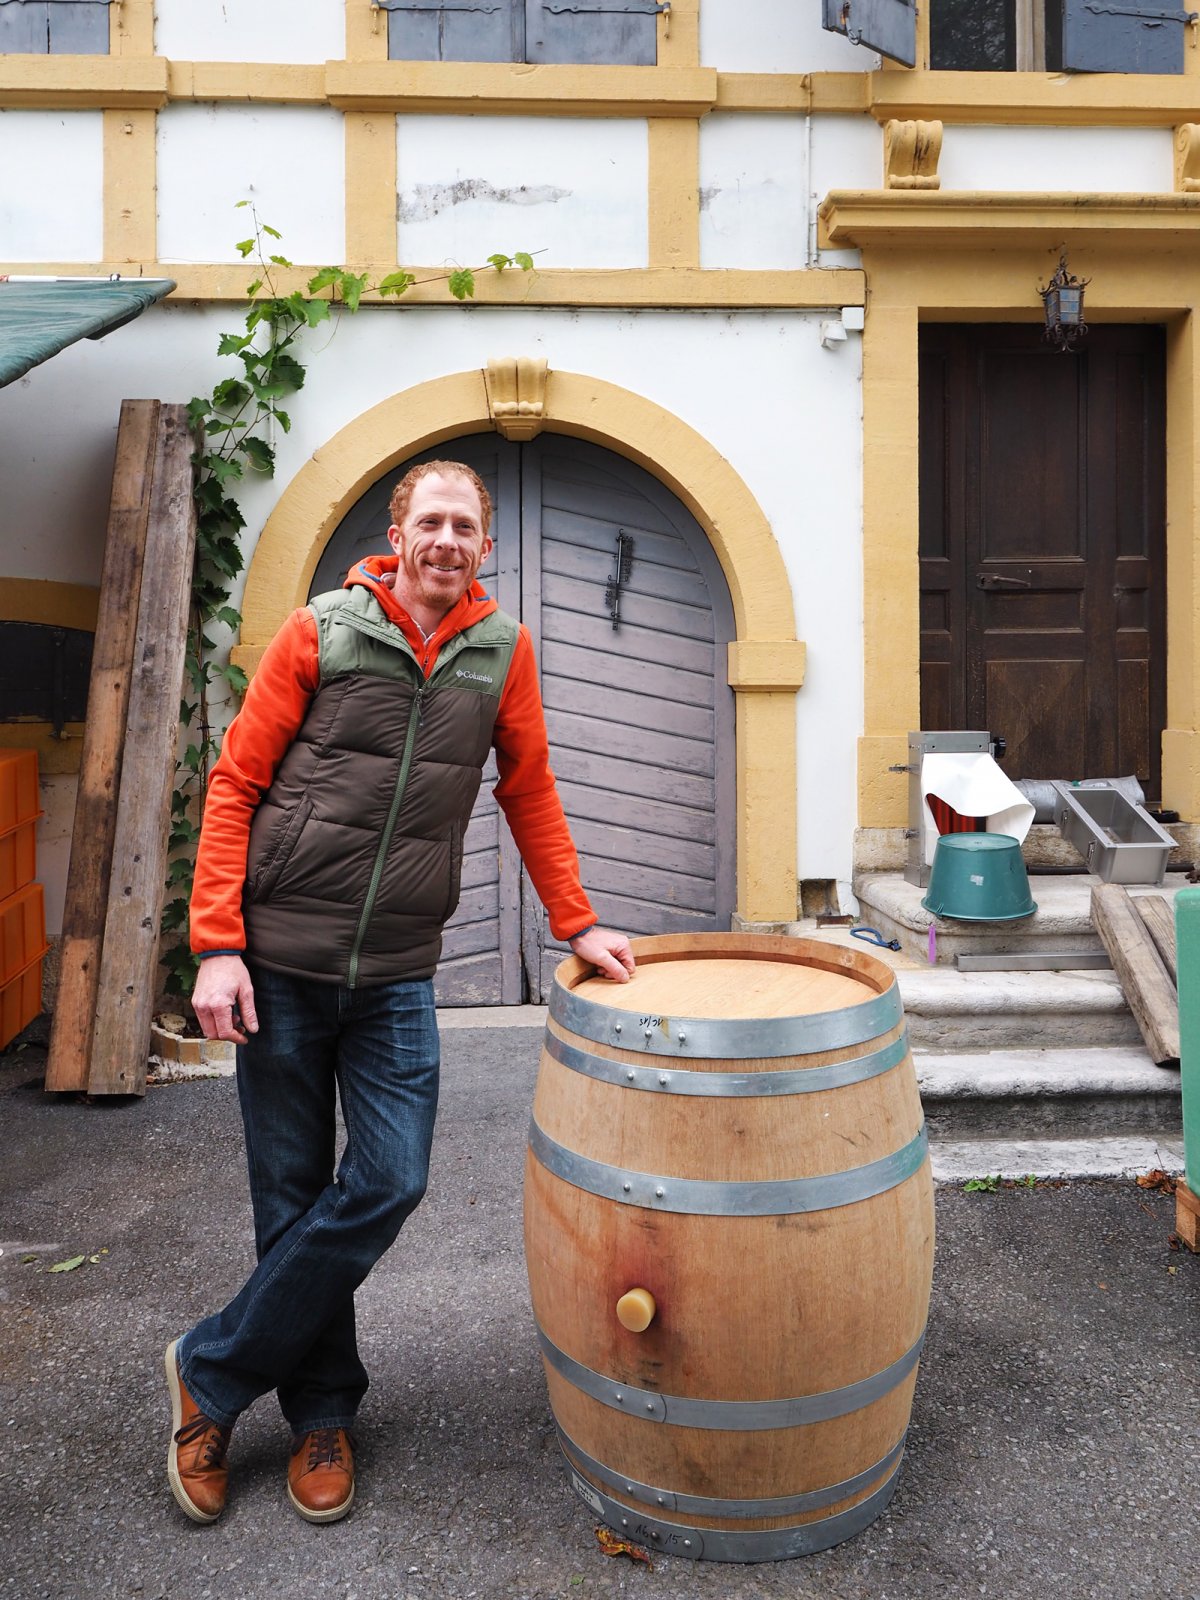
605,950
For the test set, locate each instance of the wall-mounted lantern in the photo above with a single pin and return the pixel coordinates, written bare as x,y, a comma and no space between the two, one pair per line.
1062,298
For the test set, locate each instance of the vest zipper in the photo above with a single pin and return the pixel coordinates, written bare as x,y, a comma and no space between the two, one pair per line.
410,739
385,839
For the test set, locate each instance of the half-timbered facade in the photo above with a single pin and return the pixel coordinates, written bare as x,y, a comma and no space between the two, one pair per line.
782,462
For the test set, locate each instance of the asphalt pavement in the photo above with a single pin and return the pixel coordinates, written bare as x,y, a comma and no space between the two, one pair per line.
1053,1450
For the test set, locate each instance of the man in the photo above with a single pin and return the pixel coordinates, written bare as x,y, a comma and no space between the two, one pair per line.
328,864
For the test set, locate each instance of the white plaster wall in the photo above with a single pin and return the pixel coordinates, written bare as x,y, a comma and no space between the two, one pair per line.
775,36
58,791
847,153
51,176
251,30
784,412
58,435
209,158
754,191
573,189
1113,160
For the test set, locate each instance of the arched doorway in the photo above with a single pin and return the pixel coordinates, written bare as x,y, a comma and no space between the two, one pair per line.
640,714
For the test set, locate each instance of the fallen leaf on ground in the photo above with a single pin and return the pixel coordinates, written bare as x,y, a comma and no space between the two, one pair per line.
1158,1180
612,1546
67,1266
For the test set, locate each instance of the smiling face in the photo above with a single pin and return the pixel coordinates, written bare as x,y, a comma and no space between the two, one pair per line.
441,545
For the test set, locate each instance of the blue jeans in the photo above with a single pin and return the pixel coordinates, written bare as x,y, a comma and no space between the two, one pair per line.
317,1233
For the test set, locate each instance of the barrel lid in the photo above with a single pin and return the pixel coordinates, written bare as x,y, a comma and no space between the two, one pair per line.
768,989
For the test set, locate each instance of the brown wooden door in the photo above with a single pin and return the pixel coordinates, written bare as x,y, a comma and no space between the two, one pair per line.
1043,546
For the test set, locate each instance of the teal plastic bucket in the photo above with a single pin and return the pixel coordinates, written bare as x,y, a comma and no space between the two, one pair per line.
978,877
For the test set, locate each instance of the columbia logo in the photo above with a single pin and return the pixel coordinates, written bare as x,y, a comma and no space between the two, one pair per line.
474,677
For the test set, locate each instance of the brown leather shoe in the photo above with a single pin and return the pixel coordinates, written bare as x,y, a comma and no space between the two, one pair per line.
321,1474
196,1457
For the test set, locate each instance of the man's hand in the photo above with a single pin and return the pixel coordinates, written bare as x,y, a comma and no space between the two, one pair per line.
607,951
223,999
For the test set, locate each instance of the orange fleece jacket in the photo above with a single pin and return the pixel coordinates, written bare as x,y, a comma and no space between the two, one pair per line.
273,712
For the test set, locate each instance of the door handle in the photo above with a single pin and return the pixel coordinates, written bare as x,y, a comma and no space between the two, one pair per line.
997,580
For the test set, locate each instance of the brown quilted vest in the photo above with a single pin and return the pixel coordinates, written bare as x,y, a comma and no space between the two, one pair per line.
356,848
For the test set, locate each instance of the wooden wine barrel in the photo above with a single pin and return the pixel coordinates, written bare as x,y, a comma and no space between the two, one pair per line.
730,1147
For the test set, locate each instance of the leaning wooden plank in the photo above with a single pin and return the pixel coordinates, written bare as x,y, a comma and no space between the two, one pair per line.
69,1060
1187,1216
1159,916
1144,978
130,960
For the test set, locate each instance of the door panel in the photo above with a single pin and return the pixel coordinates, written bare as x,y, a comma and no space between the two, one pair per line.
636,714
1043,546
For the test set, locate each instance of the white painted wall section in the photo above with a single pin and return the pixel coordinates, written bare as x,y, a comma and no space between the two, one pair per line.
1059,160
754,191
847,153
209,158
784,412
250,30
51,186
58,435
775,36
572,189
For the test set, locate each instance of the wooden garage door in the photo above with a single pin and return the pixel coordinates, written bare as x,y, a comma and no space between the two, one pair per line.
639,714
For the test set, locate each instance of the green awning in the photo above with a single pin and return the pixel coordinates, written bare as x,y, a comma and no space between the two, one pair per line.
38,319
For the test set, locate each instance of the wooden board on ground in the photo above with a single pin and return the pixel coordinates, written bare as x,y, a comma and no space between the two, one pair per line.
95,827
130,957
1187,1216
1157,912
1137,963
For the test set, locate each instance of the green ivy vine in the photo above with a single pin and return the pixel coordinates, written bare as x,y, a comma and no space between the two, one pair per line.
234,424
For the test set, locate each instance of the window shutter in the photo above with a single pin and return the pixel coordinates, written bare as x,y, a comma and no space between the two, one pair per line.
1123,35
613,32
889,26
455,30
60,27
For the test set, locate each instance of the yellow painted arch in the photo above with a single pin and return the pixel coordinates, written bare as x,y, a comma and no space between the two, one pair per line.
766,662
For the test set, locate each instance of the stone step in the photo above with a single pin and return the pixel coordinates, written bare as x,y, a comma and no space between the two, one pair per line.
1113,1156
1062,922
1008,1114
1031,1095
949,1010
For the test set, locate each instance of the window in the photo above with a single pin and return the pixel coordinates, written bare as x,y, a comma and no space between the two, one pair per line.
1004,36
1023,35
54,27
614,32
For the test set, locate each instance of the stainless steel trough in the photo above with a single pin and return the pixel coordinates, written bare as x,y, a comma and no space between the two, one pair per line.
1119,841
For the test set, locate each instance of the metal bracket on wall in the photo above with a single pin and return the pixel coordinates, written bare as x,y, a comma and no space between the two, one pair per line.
620,575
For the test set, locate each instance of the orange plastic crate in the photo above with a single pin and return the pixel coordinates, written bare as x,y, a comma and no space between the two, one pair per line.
18,857
20,1002
18,788
22,931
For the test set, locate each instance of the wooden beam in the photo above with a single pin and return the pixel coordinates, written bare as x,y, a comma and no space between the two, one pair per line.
486,88
1159,917
1187,1216
129,963
90,865
1137,963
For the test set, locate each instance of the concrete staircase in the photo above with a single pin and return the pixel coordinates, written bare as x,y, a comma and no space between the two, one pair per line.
1026,1073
